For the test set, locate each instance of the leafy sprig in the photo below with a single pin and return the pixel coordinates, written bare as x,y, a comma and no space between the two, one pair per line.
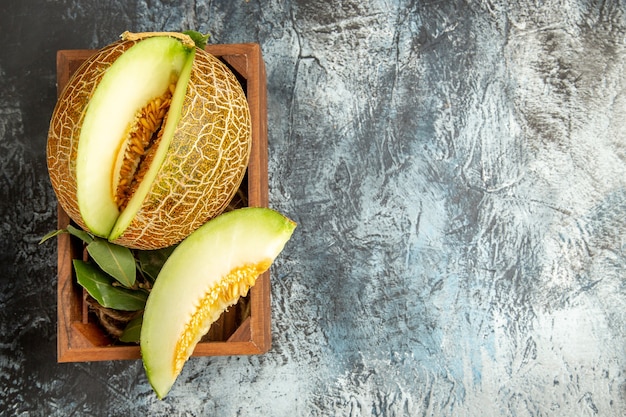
115,276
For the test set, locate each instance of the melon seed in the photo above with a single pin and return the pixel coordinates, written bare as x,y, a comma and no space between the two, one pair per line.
141,138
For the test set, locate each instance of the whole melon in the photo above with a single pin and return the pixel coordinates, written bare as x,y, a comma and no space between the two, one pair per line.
149,139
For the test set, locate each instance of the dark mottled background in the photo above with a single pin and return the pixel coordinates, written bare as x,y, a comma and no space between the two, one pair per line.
457,170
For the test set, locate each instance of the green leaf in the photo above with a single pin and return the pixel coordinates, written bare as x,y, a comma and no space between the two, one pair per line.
132,331
101,287
198,38
52,234
79,233
151,261
115,260
74,231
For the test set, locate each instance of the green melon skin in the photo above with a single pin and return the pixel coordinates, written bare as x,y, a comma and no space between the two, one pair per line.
208,272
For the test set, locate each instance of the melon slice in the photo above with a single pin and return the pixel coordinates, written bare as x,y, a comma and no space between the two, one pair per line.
142,73
208,272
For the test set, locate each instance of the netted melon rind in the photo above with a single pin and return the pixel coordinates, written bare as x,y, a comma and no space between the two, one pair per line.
66,122
204,166
206,162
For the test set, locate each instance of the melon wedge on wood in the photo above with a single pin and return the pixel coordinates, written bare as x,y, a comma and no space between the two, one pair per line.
208,272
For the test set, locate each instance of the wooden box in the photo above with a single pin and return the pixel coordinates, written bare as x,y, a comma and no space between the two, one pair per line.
237,332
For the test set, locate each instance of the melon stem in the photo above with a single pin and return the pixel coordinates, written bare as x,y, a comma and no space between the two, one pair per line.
132,36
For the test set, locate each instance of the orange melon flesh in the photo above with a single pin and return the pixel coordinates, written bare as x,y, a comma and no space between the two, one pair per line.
139,75
208,272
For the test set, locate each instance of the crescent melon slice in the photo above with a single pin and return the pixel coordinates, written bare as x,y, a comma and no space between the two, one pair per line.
207,273
140,74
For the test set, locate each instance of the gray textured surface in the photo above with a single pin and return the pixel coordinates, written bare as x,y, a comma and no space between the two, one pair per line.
458,174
